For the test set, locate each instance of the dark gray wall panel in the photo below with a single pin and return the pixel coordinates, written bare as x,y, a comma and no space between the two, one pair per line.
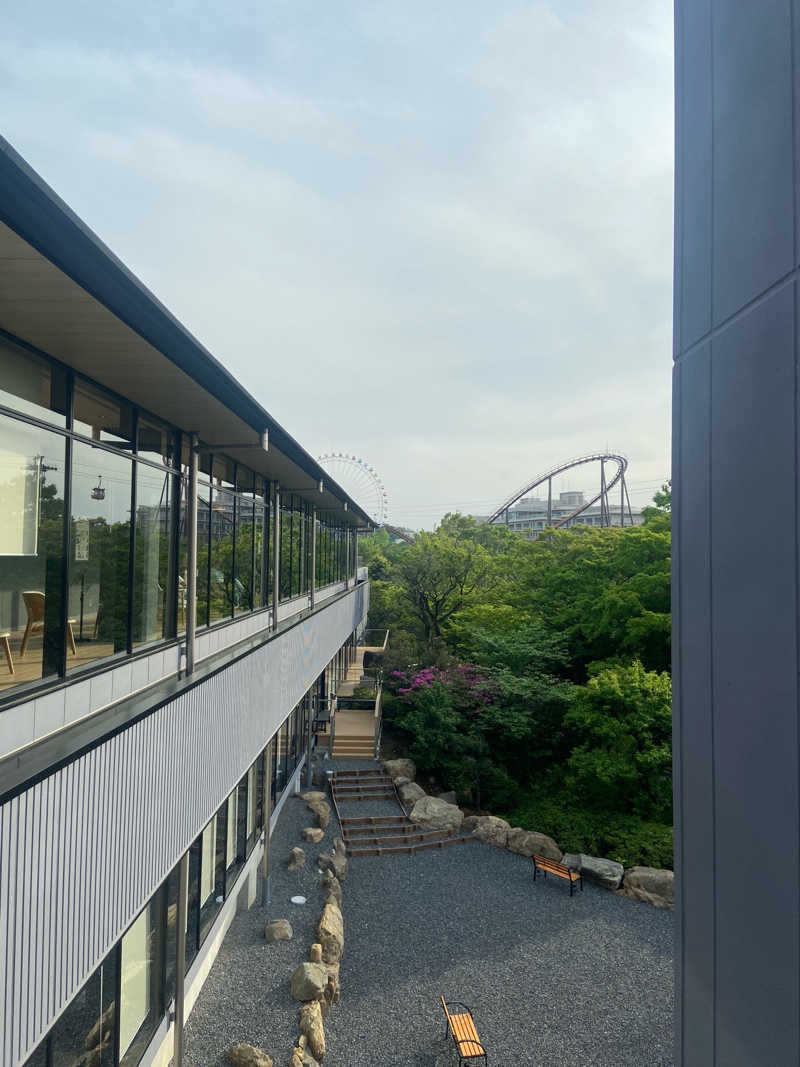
88,845
693,747
693,291
754,637
753,207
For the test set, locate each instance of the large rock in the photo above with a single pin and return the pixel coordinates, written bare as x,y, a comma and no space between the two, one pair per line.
410,793
335,862
312,834
309,981
248,1056
571,860
492,831
278,930
649,884
313,796
330,934
400,768
528,842
297,858
469,823
606,873
331,887
436,814
312,1030
322,810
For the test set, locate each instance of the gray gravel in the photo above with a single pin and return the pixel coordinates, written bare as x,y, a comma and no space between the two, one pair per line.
581,981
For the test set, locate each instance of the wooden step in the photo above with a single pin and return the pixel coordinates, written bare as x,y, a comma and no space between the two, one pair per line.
355,786
392,828
361,774
409,849
346,797
375,820
381,837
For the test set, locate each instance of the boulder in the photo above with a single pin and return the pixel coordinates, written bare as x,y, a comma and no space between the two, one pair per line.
247,1056
339,847
313,796
470,822
331,887
322,810
571,860
448,798
331,995
312,1030
606,873
297,858
315,955
312,834
309,981
400,768
436,814
492,831
528,842
649,884
410,793
278,930
296,1058
401,781
336,862
330,934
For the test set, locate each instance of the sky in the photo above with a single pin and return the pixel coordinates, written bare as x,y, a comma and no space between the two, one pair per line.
438,236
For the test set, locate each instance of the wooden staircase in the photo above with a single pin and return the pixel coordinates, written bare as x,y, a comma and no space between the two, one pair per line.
380,835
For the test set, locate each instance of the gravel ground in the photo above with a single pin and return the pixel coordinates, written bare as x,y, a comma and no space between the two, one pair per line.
581,981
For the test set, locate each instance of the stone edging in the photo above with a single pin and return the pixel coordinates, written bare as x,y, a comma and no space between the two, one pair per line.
648,884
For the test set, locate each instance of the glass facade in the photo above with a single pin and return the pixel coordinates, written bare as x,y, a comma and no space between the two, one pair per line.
93,529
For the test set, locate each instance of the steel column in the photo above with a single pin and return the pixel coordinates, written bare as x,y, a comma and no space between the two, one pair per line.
276,554
180,958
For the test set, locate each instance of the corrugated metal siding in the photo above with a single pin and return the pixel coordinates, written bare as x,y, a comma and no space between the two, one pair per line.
83,850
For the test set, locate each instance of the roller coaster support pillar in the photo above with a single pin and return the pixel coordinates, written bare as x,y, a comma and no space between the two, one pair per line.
549,501
622,502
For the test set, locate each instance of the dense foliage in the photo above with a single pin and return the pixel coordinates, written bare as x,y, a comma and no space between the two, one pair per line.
532,677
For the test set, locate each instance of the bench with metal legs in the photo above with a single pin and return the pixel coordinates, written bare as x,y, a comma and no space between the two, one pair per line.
461,1027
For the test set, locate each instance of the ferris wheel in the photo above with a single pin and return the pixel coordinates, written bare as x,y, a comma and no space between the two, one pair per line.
359,480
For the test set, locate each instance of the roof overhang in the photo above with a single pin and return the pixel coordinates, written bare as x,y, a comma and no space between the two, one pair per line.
65,293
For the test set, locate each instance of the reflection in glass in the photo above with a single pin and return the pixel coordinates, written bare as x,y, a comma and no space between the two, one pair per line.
140,981
86,1029
243,555
154,489
212,870
98,415
31,553
221,592
99,551
31,385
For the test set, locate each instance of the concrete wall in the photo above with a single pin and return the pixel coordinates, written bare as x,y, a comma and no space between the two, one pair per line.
735,642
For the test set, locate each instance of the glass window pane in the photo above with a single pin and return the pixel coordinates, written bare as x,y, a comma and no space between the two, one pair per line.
193,903
31,385
258,572
99,552
31,552
155,441
154,489
100,416
203,531
221,570
212,871
86,1029
243,582
140,983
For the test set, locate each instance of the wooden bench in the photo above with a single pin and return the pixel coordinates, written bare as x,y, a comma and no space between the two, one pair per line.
461,1028
540,863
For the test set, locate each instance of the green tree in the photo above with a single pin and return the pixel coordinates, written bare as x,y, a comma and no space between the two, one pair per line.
622,761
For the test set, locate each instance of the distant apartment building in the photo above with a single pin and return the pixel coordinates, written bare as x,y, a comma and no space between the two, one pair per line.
530,514
179,595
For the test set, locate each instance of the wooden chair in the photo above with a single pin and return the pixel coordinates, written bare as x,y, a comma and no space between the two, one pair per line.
34,605
7,649
461,1027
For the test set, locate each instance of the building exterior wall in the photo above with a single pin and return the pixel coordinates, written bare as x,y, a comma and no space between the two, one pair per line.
82,850
735,584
